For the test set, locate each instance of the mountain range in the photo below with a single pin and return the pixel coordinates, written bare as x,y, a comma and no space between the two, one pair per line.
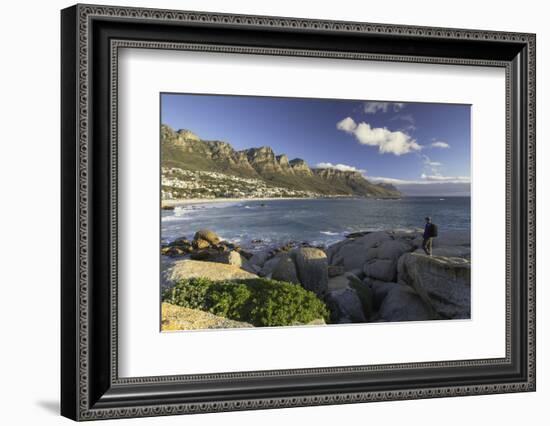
184,149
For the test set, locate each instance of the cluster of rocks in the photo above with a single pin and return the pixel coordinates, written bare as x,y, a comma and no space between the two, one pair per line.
368,277
386,276
302,264
208,246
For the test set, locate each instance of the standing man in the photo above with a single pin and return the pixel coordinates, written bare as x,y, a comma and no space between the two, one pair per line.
430,232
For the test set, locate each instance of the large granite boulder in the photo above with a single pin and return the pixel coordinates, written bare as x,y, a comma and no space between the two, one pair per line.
268,267
381,261
381,269
200,244
173,251
447,242
338,283
379,291
312,268
182,243
285,269
363,292
334,271
186,269
449,251
402,303
174,318
259,258
352,252
204,254
214,255
207,235
229,257
345,306
442,282
389,249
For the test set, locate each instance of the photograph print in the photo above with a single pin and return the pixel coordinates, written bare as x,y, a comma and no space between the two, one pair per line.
279,211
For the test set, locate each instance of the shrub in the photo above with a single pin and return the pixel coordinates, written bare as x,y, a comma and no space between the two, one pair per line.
260,302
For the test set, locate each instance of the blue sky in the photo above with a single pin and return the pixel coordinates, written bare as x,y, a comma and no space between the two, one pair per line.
422,148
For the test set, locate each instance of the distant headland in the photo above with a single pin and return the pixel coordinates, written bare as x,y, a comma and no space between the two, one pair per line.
193,168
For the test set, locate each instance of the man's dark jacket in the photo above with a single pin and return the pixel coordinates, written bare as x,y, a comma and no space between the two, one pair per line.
430,230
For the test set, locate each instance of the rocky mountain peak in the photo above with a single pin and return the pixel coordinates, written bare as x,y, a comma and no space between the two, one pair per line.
300,166
188,135
329,172
261,152
282,160
263,160
220,148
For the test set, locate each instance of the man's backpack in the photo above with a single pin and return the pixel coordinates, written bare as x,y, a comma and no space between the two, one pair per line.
434,230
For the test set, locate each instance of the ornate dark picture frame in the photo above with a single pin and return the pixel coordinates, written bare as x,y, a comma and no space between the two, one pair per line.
91,37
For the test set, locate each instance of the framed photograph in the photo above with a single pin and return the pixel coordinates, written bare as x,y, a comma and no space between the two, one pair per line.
263,212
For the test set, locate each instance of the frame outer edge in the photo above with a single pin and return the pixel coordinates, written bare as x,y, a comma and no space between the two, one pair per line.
531,201
69,221
83,13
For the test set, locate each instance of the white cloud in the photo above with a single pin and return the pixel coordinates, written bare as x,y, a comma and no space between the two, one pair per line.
393,181
409,123
341,167
440,144
424,180
428,185
426,188
347,125
439,178
432,165
407,117
374,107
396,143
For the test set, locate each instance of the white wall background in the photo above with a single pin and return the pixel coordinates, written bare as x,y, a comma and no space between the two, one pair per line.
29,212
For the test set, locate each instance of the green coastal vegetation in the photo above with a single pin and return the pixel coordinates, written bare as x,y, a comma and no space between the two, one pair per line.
260,302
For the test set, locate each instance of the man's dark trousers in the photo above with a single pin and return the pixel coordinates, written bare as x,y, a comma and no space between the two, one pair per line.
427,245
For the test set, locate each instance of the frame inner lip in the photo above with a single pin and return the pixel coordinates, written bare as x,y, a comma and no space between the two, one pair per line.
115,45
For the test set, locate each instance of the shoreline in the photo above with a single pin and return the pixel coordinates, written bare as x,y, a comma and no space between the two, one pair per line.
187,201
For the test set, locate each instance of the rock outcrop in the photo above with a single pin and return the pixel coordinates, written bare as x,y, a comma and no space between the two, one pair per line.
345,306
263,160
338,283
404,283
379,291
284,164
381,260
442,282
185,269
300,167
352,252
403,304
207,235
175,318
312,267
228,257
285,270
